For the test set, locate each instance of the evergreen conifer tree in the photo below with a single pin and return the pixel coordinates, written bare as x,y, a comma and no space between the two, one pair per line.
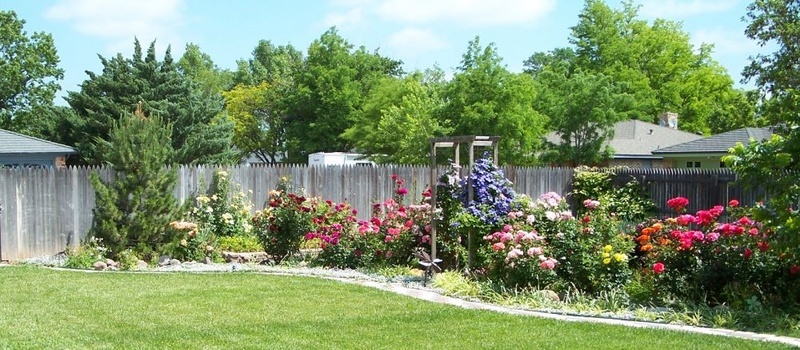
135,207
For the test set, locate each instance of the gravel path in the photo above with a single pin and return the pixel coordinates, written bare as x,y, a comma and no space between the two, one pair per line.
413,287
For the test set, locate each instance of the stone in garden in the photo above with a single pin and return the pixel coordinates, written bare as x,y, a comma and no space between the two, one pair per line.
209,248
112,268
110,262
207,260
141,265
174,262
548,295
163,260
99,265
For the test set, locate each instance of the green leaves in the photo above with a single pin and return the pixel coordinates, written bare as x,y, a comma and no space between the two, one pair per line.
30,75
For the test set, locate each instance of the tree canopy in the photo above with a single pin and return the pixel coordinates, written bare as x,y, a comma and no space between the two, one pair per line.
30,75
159,88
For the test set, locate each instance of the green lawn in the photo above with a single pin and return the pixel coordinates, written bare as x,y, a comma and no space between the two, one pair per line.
41,308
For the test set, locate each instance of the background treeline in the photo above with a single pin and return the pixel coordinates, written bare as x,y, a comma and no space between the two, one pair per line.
282,103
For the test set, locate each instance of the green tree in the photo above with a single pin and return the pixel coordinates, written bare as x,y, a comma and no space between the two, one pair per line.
660,67
330,91
30,75
582,109
259,123
124,84
484,98
398,118
209,79
134,209
774,163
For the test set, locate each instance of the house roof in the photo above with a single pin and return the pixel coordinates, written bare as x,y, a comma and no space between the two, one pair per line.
11,142
719,143
638,139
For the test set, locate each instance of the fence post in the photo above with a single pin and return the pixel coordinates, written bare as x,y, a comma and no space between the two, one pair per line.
1,232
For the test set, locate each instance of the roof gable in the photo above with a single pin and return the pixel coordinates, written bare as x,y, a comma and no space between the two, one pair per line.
11,142
719,143
635,138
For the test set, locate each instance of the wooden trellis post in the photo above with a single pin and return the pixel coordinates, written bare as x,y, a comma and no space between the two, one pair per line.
455,142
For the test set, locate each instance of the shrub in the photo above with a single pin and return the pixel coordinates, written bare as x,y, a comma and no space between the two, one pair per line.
698,259
281,226
86,254
191,243
239,244
628,202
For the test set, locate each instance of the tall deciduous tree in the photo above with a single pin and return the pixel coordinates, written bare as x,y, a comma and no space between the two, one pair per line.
30,75
134,209
330,90
582,109
209,79
398,118
657,61
774,163
259,122
125,83
484,98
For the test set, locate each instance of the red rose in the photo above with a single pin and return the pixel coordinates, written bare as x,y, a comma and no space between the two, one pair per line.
794,270
748,253
733,203
658,268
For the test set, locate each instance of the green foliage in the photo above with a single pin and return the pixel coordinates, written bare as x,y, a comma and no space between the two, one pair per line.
330,91
582,109
134,207
239,244
397,120
128,260
30,75
456,284
283,224
656,64
484,98
207,78
86,254
628,202
259,123
155,88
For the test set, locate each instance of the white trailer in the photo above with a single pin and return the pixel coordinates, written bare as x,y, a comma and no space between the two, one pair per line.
337,158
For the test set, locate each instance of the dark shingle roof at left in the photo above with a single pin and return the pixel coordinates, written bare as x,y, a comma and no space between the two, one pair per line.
719,143
11,142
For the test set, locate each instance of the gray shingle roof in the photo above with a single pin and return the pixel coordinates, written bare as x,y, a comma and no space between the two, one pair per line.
719,143
11,142
637,139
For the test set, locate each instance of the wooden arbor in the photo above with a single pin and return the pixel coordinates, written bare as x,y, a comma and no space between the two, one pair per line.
455,142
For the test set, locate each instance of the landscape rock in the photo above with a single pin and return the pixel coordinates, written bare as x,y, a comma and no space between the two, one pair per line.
141,265
163,260
99,265
207,260
110,262
548,295
174,262
244,257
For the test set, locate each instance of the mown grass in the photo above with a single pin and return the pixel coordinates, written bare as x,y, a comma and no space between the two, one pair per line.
41,308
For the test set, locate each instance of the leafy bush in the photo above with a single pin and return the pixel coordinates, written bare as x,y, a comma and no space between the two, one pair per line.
698,259
191,243
281,226
628,203
239,244
86,254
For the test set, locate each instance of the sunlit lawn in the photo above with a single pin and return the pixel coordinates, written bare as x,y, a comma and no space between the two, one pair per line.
41,308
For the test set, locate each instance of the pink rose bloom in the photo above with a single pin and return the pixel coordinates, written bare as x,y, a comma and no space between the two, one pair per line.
530,219
548,264
507,228
685,219
534,251
426,238
733,203
498,246
712,237
753,231
551,215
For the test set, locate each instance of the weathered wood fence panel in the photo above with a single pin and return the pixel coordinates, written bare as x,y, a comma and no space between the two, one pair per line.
47,210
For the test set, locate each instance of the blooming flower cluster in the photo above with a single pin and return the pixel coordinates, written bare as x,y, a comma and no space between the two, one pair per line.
492,193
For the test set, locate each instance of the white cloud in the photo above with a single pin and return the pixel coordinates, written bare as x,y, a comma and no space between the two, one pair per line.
118,22
354,16
414,41
684,8
725,42
469,12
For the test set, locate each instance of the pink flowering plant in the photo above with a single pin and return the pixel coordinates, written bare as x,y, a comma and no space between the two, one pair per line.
389,237
702,258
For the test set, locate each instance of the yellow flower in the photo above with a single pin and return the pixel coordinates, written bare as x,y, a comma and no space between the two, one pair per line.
606,261
606,255
619,257
608,248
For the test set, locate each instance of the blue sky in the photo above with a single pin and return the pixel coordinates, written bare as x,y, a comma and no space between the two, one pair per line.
421,33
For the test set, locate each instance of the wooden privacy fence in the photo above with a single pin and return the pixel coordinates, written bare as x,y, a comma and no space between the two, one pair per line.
47,210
